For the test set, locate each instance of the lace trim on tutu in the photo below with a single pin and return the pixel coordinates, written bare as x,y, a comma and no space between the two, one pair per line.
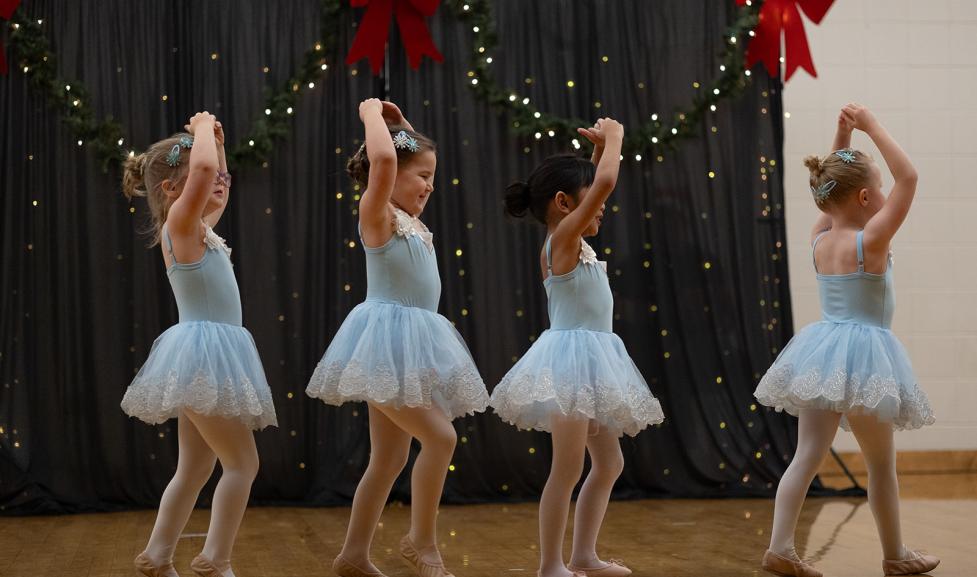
459,393
157,399
529,401
906,406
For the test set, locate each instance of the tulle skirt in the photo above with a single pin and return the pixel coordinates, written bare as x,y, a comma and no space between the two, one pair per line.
394,355
846,368
582,373
206,367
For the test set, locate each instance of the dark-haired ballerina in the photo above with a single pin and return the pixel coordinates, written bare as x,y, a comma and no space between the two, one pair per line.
577,380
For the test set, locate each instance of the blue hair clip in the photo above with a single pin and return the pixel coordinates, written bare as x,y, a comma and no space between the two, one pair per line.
846,154
821,193
404,141
173,156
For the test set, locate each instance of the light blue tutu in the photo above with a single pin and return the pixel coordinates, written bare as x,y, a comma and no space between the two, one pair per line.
207,363
847,368
849,362
399,356
394,349
578,368
577,372
209,368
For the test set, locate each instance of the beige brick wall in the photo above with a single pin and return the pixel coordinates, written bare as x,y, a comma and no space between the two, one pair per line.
915,64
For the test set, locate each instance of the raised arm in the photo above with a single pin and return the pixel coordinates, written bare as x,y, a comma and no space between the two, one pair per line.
223,177
609,134
598,142
843,133
883,226
184,217
374,204
394,117
842,140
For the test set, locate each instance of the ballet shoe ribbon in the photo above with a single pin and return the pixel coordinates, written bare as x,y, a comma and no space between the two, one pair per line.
784,17
371,39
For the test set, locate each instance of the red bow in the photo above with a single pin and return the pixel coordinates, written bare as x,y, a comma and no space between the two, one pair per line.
777,15
371,40
7,8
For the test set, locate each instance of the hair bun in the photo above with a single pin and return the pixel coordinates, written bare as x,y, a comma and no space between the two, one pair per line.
358,166
815,164
134,176
517,199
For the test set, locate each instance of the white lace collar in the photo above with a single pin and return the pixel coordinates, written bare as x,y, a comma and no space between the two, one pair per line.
587,253
408,226
215,242
589,256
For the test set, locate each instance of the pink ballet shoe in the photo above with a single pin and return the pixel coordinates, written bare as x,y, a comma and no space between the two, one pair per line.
916,563
779,565
204,567
343,568
145,566
424,569
614,568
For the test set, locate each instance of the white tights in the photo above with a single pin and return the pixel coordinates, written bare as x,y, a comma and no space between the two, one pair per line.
816,432
203,441
391,431
570,440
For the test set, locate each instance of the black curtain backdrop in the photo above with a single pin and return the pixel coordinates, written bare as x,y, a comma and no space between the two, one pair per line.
697,264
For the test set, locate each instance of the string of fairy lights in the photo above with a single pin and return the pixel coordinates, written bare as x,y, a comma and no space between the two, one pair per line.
34,58
654,138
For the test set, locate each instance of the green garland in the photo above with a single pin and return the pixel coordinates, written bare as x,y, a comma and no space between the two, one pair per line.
276,122
656,134
36,60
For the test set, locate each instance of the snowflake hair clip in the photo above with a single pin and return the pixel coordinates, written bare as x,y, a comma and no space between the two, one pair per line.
847,155
821,193
173,156
404,141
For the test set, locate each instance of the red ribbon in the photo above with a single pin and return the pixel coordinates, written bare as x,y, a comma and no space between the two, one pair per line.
371,39
783,15
7,8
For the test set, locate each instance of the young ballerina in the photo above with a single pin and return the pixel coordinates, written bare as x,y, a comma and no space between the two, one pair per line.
849,368
394,350
204,370
577,380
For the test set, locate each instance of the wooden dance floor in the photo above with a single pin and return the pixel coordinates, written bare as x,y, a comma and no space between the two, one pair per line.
668,538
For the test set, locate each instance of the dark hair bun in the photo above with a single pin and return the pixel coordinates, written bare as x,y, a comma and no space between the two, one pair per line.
517,199
358,166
